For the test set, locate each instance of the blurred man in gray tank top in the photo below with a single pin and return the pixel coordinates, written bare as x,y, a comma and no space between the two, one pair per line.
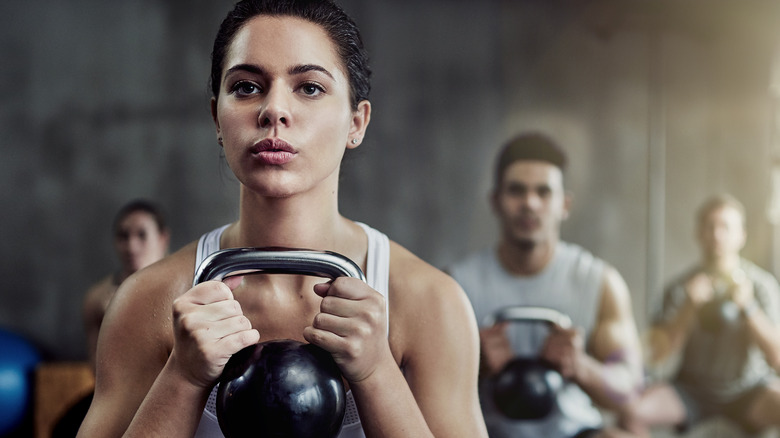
725,369
600,356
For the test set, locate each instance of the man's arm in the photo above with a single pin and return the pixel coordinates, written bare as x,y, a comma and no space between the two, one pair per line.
611,373
667,338
760,305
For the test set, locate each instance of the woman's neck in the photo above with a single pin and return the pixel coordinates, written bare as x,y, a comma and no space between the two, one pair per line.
309,220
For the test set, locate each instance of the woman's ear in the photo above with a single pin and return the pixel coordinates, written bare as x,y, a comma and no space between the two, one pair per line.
360,119
216,119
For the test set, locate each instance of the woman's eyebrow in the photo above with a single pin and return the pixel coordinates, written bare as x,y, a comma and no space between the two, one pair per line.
251,68
299,69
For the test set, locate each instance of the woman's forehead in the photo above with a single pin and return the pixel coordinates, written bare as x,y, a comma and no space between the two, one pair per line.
283,42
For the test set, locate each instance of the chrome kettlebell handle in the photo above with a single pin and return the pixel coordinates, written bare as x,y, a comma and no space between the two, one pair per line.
528,313
276,260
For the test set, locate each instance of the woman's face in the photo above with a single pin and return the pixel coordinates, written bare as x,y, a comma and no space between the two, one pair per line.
283,111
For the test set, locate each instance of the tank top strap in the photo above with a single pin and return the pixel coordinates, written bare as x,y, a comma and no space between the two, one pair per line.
378,263
377,260
208,244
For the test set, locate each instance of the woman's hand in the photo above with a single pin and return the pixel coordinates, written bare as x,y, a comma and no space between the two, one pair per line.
209,327
352,326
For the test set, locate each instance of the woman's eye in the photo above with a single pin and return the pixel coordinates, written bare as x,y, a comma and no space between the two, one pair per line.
311,89
245,88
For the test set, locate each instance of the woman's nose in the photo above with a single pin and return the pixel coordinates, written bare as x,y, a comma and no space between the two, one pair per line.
275,110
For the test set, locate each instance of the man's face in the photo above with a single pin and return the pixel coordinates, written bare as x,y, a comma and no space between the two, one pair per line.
722,233
530,202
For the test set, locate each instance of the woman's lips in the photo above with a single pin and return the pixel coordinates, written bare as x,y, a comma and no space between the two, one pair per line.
273,151
275,158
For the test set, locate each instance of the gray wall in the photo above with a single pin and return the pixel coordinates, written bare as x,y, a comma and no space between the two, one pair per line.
659,104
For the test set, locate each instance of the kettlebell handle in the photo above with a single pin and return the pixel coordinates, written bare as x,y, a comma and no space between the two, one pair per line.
276,260
528,313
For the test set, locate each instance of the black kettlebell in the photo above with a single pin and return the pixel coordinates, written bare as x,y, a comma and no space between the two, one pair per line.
526,388
280,388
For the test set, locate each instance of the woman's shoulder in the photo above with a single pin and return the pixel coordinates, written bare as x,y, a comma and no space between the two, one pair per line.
138,325
425,305
411,274
420,290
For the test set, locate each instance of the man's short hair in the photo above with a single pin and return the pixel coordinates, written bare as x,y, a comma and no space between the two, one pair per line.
142,205
716,203
531,146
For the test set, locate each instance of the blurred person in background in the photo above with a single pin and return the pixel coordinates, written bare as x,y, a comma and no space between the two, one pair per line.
141,237
720,318
600,356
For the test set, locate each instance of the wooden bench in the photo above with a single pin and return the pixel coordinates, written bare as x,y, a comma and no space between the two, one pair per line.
58,385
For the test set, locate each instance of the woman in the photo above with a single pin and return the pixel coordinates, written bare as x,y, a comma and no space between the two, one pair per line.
290,88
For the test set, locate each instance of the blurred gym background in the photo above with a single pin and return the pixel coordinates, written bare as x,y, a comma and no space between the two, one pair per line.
659,103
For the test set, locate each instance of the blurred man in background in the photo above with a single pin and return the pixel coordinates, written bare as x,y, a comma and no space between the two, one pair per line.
722,317
600,356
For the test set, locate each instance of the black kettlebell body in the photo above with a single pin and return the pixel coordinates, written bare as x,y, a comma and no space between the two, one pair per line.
526,388
281,388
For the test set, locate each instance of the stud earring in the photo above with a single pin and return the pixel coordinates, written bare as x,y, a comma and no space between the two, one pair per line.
354,141
219,140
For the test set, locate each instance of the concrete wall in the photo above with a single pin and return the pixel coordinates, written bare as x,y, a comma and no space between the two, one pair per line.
659,104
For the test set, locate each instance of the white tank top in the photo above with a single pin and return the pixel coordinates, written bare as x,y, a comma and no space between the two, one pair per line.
570,283
377,276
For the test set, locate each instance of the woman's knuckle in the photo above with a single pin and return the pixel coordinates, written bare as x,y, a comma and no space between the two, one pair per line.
326,304
245,338
316,336
363,330
353,350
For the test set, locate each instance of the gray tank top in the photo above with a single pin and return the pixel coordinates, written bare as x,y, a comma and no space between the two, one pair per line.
571,284
377,276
